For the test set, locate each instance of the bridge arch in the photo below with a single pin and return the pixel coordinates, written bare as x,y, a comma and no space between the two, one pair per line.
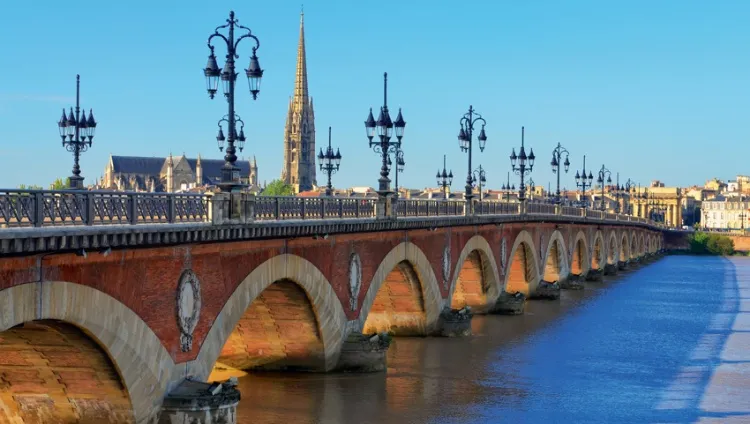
633,245
476,280
406,273
612,253
579,255
624,247
318,317
641,244
599,252
523,269
142,363
555,259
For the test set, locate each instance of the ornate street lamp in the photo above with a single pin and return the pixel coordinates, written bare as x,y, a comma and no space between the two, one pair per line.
230,173
603,173
530,187
507,188
399,155
479,179
584,181
77,133
628,188
465,142
444,179
329,162
384,146
525,165
556,162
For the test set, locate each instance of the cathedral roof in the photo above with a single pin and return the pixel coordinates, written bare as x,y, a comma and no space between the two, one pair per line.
137,165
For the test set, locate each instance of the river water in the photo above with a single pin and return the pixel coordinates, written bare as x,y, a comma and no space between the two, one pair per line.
667,343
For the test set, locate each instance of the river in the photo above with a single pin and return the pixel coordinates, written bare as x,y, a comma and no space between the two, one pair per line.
666,343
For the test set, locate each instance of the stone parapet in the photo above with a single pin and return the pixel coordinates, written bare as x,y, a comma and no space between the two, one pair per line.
196,402
546,290
364,353
455,322
509,304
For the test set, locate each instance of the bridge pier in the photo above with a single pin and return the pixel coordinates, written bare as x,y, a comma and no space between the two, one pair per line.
455,322
594,275
201,403
546,290
622,265
364,353
572,282
610,269
509,304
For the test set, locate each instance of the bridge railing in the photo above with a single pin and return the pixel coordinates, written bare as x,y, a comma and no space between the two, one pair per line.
290,207
429,207
39,208
496,208
541,208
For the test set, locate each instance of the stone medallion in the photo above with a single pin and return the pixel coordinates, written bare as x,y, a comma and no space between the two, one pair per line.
188,307
503,254
446,265
355,280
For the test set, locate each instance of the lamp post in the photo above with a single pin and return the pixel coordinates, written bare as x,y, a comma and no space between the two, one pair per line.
525,165
465,142
556,162
617,193
329,162
584,181
507,188
399,155
385,131
530,186
479,178
444,179
230,173
604,172
628,188
77,133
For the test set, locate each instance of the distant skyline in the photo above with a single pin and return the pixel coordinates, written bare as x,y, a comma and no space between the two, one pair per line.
654,90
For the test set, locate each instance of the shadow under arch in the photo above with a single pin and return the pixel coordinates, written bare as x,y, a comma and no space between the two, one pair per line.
612,252
144,365
580,263
633,245
407,263
598,253
476,280
555,260
641,245
523,268
329,313
624,247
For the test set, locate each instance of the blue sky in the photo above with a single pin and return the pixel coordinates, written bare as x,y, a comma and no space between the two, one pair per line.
651,89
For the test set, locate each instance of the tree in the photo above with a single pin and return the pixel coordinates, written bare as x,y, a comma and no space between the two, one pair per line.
711,244
60,184
278,188
30,187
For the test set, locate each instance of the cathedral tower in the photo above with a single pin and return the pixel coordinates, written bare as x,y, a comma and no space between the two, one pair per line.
299,131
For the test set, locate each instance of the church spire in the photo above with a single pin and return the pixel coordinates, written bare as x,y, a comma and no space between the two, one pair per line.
300,83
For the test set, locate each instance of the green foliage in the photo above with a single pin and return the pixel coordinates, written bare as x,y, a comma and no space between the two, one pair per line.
60,184
278,188
711,244
30,187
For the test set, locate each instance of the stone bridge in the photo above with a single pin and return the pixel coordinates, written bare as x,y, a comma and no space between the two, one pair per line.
111,319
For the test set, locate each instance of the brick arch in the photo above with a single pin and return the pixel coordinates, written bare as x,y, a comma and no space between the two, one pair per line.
328,311
598,252
408,260
624,247
633,245
475,262
580,263
555,260
523,265
612,251
144,365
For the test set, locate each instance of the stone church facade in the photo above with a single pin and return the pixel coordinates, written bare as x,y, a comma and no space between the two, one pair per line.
170,174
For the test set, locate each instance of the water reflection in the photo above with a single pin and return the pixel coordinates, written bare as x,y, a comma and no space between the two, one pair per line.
604,354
